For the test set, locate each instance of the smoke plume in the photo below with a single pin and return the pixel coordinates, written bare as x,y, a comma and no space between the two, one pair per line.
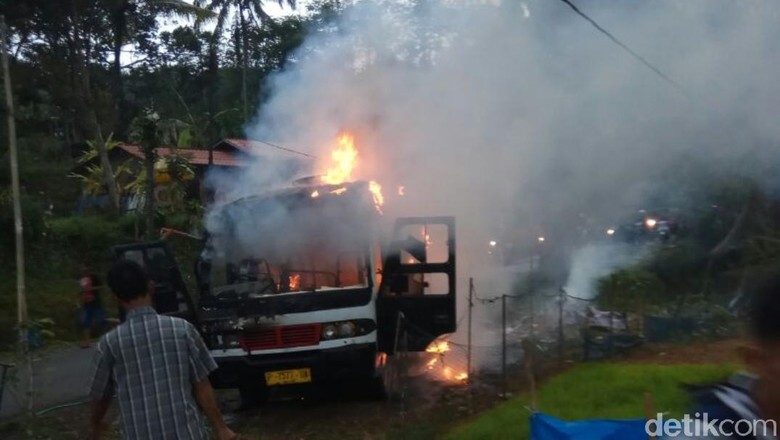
516,117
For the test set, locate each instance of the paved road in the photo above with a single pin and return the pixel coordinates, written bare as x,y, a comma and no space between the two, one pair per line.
60,375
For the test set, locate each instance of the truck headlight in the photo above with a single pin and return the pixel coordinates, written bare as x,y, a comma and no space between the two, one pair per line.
346,329
329,331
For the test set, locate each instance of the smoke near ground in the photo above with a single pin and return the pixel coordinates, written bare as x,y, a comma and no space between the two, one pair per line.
594,261
517,116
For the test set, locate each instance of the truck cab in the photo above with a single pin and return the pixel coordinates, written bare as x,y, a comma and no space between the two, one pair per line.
299,287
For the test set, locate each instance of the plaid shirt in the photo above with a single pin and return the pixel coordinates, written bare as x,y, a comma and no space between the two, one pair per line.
152,362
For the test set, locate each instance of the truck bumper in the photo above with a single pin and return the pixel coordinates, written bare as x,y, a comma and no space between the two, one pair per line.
353,362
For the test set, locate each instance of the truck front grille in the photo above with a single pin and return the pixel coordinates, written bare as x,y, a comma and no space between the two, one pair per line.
282,337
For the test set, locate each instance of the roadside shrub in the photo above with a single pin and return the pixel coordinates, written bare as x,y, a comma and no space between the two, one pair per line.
629,290
87,237
32,222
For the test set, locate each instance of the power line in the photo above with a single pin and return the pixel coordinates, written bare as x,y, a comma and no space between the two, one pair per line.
640,58
289,150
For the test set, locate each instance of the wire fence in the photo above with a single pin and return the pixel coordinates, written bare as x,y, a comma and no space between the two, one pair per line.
511,338
525,334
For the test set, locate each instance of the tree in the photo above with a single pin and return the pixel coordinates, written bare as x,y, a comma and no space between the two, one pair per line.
93,179
151,132
127,15
245,12
68,38
628,290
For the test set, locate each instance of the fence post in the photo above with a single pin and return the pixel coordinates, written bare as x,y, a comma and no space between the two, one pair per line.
531,305
468,352
561,298
528,362
468,348
503,346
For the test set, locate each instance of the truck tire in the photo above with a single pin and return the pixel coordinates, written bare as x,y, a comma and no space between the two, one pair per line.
378,389
385,385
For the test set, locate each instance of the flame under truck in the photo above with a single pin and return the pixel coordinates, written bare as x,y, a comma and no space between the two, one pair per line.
297,288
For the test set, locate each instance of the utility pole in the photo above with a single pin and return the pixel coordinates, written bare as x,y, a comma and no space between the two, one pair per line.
16,194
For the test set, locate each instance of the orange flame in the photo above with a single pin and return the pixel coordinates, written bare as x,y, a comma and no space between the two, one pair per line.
438,347
343,160
440,365
376,192
295,282
315,194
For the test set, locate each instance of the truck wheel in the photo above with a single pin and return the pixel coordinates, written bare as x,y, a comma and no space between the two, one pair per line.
385,385
378,389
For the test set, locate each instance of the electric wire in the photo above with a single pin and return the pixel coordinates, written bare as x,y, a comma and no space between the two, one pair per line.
625,47
289,150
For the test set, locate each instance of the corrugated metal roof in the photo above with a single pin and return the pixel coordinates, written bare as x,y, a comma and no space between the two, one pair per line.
258,148
194,156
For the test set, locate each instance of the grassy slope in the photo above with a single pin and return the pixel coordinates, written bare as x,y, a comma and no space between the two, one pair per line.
595,391
55,298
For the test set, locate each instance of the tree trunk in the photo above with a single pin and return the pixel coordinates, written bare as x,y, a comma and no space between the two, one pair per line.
149,193
119,20
245,62
87,110
211,98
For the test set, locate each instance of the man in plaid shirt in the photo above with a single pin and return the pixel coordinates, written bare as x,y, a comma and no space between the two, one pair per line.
157,366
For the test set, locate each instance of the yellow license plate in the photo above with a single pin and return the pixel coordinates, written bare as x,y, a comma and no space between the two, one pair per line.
285,377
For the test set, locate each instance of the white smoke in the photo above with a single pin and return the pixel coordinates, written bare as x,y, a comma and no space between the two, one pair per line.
597,260
516,116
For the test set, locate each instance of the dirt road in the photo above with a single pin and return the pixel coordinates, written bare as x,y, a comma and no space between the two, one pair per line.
421,407
60,375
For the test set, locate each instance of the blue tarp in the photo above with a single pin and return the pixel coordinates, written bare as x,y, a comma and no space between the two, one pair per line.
544,427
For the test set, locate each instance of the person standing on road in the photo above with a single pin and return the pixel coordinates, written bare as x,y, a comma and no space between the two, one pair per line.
92,316
158,367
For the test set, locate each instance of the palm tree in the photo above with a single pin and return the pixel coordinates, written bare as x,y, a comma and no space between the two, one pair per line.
244,13
93,178
123,17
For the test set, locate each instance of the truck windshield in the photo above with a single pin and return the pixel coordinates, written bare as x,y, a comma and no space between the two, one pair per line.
319,269
274,246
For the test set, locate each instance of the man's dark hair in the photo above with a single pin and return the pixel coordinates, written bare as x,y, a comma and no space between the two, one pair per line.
765,311
128,280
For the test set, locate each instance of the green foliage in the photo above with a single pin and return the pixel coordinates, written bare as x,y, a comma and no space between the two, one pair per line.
627,290
612,391
33,223
679,267
89,237
93,151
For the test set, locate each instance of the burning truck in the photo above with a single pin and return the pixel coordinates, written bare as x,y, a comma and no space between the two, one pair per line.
298,287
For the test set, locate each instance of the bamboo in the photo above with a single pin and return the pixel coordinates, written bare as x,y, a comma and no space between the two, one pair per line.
17,206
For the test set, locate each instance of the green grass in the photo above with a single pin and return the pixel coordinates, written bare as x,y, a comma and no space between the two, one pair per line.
50,295
612,391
